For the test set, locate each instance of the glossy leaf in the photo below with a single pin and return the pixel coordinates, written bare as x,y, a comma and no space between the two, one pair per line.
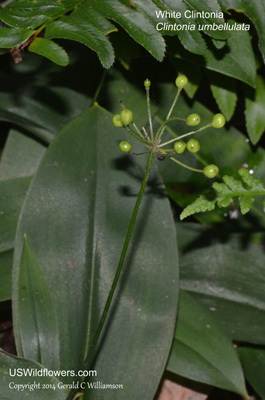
11,37
255,103
83,32
227,277
201,350
35,388
38,323
28,14
80,191
209,6
49,49
224,92
253,362
134,23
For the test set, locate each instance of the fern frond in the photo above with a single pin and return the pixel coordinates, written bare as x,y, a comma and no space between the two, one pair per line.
246,190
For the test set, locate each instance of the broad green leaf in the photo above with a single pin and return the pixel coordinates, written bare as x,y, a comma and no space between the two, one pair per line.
30,14
41,110
11,37
76,215
201,351
49,49
226,60
34,386
255,10
21,156
253,362
83,32
224,92
6,260
254,112
38,324
13,192
226,276
136,24
209,6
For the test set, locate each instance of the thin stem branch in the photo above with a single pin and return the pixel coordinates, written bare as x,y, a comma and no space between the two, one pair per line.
185,135
186,166
118,270
99,87
149,113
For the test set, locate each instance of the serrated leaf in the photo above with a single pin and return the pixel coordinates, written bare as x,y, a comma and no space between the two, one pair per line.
224,92
135,23
49,49
254,112
39,332
83,32
245,203
255,10
250,180
226,60
209,6
234,184
201,350
226,192
11,37
199,205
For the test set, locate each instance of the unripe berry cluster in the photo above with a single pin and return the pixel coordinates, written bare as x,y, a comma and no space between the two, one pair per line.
153,142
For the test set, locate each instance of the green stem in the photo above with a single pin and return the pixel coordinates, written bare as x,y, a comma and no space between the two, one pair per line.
185,135
99,87
186,166
149,113
118,270
163,126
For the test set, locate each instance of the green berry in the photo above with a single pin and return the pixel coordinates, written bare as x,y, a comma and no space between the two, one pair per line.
179,147
211,171
125,146
116,120
181,81
126,117
147,83
193,120
193,146
218,121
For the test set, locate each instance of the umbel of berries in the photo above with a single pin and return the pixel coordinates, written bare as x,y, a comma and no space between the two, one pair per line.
175,147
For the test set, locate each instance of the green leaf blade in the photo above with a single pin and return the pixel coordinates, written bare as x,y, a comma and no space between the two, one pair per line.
32,385
49,49
199,205
11,37
66,28
38,322
202,351
86,193
254,111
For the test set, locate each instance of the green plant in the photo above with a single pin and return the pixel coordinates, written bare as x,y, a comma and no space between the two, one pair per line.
68,194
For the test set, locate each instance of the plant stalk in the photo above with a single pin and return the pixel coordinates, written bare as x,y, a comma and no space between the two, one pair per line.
118,271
